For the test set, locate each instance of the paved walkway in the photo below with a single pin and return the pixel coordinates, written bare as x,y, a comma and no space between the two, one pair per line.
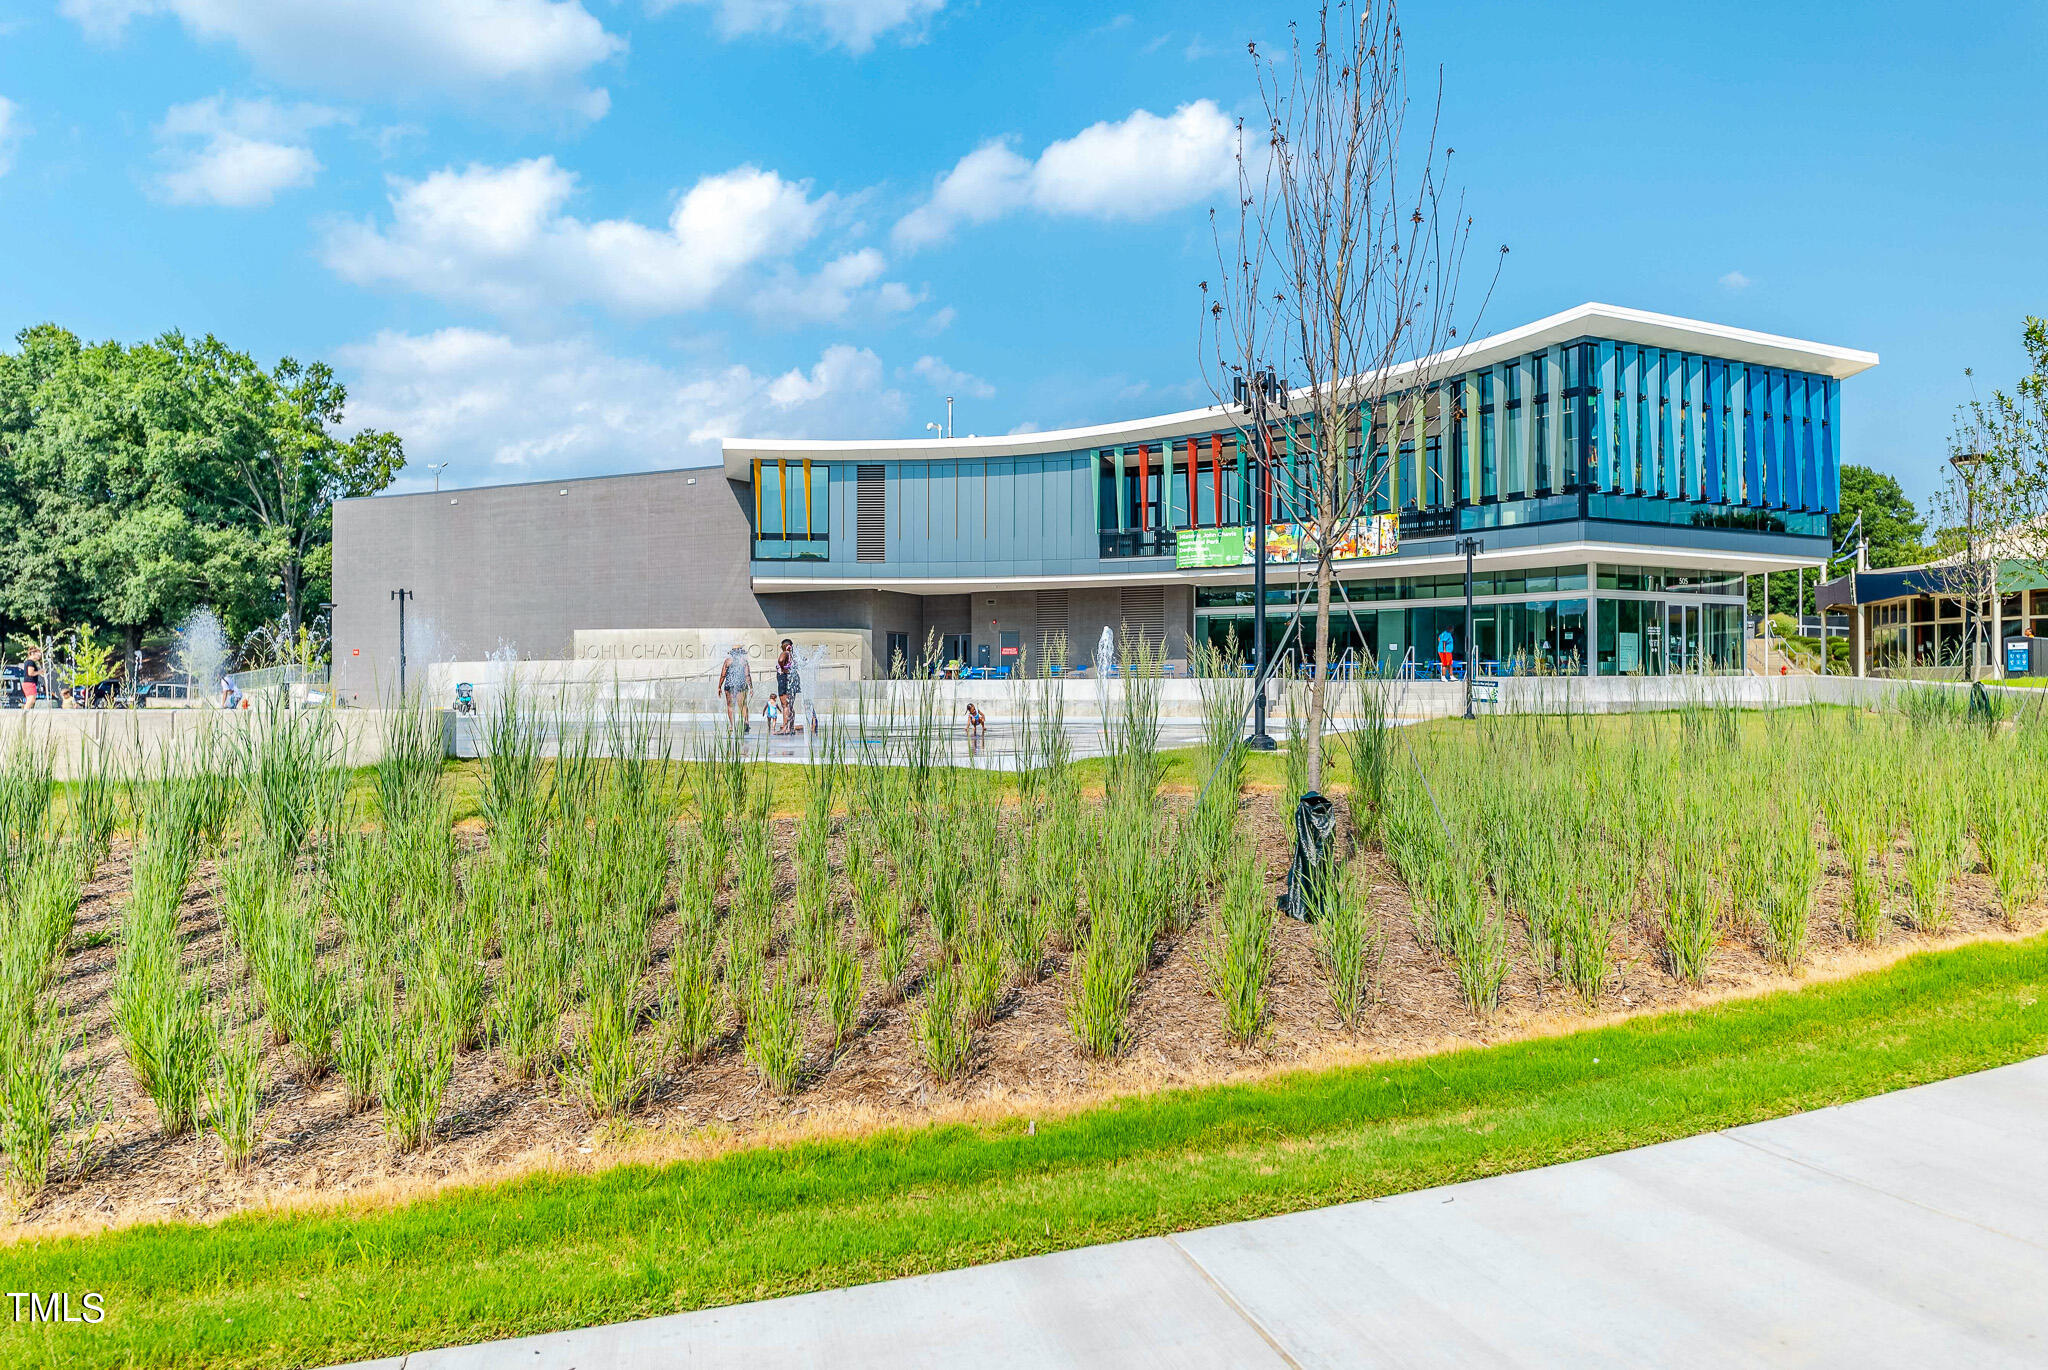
1906,1230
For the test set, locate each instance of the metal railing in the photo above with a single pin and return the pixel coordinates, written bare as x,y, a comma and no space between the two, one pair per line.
273,678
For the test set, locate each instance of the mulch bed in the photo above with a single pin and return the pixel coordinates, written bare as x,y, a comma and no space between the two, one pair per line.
313,1150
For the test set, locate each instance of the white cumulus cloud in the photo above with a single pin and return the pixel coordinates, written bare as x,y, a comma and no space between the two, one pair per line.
10,133
935,373
238,153
1134,168
501,237
851,24
474,49
1735,280
502,410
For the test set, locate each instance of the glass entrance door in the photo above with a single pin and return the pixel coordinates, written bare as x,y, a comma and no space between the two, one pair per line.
1682,639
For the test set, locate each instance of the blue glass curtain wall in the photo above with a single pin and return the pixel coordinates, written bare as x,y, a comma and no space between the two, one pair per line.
1721,443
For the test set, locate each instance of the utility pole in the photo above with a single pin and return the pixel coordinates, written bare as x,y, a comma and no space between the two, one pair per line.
1470,547
1259,394
401,596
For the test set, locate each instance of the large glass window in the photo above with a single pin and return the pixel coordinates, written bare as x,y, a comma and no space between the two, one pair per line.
791,510
1534,637
1631,637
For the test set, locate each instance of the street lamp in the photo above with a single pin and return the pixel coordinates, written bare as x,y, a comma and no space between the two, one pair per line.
1966,464
437,467
1471,547
1260,395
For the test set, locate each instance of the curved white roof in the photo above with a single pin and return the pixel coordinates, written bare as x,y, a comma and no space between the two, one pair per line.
1595,320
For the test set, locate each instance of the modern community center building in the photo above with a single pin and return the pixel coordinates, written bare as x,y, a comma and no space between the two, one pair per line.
1624,473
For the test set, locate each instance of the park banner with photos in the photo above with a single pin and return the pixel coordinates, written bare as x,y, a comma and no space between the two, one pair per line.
1206,547
1377,535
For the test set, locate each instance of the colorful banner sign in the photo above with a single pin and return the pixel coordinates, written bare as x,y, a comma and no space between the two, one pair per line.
1378,535
1199,547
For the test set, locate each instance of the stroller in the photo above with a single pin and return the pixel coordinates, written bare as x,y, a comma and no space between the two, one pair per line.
465,697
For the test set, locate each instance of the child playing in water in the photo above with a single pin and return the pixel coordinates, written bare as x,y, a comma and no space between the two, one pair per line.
977,724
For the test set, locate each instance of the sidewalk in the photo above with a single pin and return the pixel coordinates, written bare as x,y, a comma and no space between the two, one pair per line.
1905,1230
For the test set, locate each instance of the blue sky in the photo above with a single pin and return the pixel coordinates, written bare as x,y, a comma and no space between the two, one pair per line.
552,237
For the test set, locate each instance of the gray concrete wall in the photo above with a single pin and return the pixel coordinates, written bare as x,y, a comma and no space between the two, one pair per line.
525,566
131,744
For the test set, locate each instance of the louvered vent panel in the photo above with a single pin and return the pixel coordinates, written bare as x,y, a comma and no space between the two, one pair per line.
1144,613
871,523
1052,627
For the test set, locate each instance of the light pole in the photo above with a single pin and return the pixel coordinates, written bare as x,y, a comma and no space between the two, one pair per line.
437,467
1258,395
1471,547
1966,464
949,416
401,596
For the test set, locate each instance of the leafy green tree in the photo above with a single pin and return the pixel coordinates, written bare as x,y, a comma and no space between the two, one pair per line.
139,482
273,464
1890,520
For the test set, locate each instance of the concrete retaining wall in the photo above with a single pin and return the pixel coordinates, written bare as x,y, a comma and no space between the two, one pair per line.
133,742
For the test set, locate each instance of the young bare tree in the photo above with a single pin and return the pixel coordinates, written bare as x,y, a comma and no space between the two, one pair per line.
1344,279
1994,505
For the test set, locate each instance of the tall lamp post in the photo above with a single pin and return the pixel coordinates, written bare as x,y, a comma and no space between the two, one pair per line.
1471,547
1966,464
1260,395
401,596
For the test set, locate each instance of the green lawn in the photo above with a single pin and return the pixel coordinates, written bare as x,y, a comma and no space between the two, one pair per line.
563,1251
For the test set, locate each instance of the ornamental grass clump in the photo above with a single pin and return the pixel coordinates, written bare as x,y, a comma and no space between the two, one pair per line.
49,1115
775,1029
361,1043
1238,961
94,804
982,973
839,988
408,769
894,949
159,1008
511,774
1369,746
234,1094
1860,816
1936,826
1689,914
1794,871
38,911
1478,937
611,1068
27,782
2006,824
1350,947
291,776
418,1062
940,1026
1588,930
